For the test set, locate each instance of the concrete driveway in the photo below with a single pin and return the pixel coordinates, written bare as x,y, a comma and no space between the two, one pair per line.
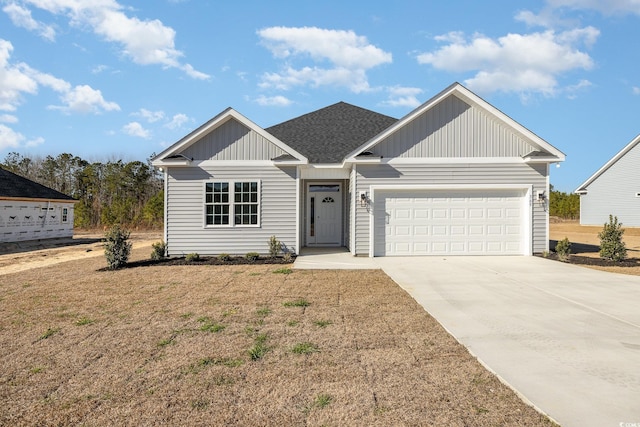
567,338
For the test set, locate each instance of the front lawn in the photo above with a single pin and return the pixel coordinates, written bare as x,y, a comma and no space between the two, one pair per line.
233,345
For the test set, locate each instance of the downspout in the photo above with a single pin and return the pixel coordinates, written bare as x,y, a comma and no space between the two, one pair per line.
166,211
298,210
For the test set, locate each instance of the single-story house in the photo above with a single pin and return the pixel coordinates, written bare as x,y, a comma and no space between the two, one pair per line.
455,176
614,189
31,211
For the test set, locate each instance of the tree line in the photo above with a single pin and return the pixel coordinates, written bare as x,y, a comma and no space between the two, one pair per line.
112,192
564,205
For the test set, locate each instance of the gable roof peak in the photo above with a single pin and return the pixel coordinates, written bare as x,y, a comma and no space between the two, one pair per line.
582,189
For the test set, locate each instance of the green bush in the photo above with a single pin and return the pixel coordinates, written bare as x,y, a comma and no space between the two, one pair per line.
563,249
194,256
117,247
611,245
158,250
224,257
252,256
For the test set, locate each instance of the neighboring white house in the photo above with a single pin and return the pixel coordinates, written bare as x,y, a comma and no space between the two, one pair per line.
454,177
31,211
613,190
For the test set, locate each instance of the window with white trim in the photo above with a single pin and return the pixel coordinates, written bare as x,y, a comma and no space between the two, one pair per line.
229,203
65,215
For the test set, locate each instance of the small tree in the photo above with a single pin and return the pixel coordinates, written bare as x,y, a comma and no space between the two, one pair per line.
274,246
611,245
563,249
117,247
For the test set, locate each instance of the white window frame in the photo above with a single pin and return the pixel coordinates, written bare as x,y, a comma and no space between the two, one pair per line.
232,203
64,215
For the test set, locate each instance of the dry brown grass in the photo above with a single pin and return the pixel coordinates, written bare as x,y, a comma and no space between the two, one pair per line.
80,346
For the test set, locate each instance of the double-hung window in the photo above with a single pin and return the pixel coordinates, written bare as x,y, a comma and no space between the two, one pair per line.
229,203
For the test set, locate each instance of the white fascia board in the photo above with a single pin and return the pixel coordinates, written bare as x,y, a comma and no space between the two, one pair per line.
218,121
170,162
214,163
385,187
582,189
469,97
450,160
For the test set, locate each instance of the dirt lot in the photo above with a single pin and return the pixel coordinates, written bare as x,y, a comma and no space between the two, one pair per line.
15,257
233,345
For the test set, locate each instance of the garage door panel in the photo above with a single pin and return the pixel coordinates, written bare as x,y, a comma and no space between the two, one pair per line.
440,222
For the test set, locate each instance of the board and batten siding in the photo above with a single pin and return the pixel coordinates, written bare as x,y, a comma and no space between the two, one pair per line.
186,232
453,128
615,192
404,175
233,141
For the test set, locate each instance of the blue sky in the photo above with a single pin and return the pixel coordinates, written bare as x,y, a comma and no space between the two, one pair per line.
106,79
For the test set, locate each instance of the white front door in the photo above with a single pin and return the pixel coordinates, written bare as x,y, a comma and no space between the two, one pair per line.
324,214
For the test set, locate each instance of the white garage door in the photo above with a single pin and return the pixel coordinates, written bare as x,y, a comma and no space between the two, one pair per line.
449,222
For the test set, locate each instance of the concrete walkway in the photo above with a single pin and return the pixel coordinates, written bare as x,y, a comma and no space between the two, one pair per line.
567,338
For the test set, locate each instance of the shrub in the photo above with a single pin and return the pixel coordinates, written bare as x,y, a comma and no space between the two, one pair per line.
117,247
287,257
274,246
158,250
224,257
563,249
611,245
194,256
252,256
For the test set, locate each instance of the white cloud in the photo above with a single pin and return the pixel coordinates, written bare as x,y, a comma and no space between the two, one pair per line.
13,81
21,17
636,90
177,121
9,138
99,69
149,116
146,42
401,96
273,101
136,129
606,7
34,142
8,118
84,99
523,63
19,79
193,73
347,55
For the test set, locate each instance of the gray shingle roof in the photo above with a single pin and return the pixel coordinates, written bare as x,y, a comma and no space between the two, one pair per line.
12,185
329,134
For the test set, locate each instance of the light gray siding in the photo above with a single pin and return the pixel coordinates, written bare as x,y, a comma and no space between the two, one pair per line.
185,209
233,141
33,220
453,128
452,174
614,192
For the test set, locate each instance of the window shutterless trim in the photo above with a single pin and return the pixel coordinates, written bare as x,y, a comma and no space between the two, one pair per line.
232,203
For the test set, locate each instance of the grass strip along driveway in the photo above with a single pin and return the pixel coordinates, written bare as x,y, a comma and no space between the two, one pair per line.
233,345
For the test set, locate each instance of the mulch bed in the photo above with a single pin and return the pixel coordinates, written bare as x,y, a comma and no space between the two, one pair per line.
234,260
585,260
